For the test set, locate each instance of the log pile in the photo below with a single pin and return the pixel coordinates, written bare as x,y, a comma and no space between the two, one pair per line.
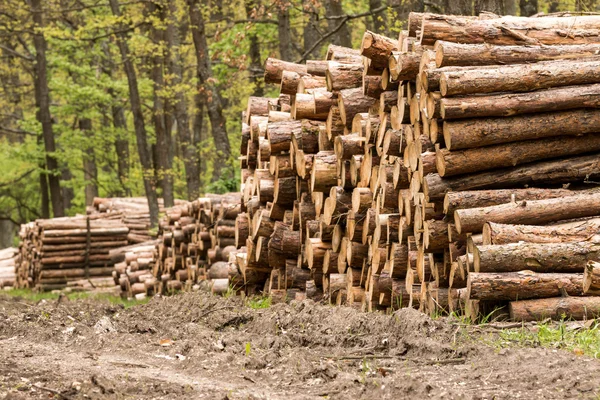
8,271
68,252
369,180
134,269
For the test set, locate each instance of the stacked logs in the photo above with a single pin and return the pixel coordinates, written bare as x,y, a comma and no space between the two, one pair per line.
8,271
133,212
510,114
369,180
68,252
134,269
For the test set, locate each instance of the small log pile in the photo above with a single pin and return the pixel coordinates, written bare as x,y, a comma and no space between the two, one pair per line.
370,179
68,252
8,268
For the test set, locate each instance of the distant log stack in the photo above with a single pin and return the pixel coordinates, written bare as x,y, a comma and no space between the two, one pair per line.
9,259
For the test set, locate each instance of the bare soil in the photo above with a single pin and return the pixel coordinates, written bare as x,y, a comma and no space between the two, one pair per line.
198,346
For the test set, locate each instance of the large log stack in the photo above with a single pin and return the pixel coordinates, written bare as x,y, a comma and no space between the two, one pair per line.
9,259
68,252
370,178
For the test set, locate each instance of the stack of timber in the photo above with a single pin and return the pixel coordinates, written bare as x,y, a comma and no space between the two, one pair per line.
132,211
69,252
8,271
369,180
511,106
133,269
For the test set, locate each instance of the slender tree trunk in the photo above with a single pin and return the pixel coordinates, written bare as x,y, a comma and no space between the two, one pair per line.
210,91
311,29
121,147
189,150
198,134
458,7
333,8
138,121
528,7
284,30
45,198
378,18
67,192
44,117
256,69
163,165
493,6
90,169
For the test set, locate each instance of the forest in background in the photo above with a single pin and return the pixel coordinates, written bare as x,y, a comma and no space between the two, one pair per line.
143,97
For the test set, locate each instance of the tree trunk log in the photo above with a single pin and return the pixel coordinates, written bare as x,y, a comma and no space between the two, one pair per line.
341,75
523,285
578,231
529,212
520,77
470,133
274,69
537,257
556,308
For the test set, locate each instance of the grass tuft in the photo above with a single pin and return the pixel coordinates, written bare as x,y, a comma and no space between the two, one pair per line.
259,302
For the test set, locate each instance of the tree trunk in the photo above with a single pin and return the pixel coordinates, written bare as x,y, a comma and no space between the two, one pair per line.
458,7
570,170
537,257
507,105
255,69
510,30
138,120
190,153
556,308
43,113
90,169
578,231
534,212
378,16
520,77
492,6
163,166
311,28
378,49
450,54
458,162
284,30
214,104
333,8
484,198
522,285
528,8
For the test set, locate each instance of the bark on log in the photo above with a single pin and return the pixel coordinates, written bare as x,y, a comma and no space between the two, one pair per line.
591,278
464,54
274,69
522,285
511,30
520,77
470,133
352,102
556,308
529,212
578,231
340,76
280,134
468,161
377,48
575,169
323,175
537,257
483,198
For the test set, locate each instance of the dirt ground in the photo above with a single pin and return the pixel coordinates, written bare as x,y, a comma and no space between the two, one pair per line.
197,346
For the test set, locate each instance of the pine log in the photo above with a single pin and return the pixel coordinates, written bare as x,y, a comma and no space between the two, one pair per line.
510,30
463,54
346,146
316,67
342,75
506,105
352,102
556,308
312,83
324,101
304,107
280,135
458,162
289,82
529,212
570,170
522,285
537,257
274,69
377,48
519,77
323,175
469,133
483,198
577,231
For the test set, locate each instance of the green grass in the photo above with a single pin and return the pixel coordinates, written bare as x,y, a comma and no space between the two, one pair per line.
579,340
35,297
259,302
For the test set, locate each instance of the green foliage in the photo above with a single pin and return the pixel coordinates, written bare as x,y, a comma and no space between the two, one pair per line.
258,303
34,297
